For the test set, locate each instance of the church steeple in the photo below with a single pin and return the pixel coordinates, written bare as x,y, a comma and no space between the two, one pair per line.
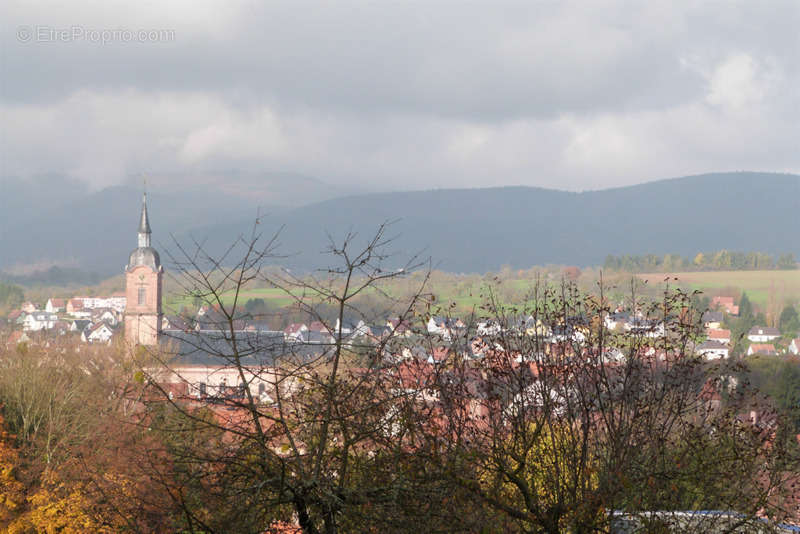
143,285
144,225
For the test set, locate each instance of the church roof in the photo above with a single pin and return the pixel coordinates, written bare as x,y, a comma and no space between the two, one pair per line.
144,254
215,348
147,256
144,221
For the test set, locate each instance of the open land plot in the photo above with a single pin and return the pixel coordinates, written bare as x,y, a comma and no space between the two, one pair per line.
783,285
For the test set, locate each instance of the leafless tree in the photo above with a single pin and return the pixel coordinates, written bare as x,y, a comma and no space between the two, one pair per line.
560,425
314,431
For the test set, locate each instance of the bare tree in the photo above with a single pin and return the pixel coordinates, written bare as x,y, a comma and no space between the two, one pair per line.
312,430
560,425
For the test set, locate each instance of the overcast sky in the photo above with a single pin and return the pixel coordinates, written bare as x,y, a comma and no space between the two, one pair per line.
397,95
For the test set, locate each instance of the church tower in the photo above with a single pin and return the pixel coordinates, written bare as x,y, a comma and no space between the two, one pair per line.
143,276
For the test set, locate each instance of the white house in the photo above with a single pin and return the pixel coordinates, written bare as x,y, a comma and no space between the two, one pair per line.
105,315
488,327
794,346
54,305
39,320
713,350
762,348
614,320
444,326
295,332
99,333
205,381
763,334
719,334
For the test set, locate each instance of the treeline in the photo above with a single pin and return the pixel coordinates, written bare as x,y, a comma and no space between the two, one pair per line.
722,260
55,276
11,296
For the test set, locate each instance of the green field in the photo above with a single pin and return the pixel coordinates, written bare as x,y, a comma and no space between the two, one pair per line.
759,285
464,293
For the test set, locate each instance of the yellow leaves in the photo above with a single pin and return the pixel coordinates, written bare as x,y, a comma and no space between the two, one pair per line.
63,508
12,491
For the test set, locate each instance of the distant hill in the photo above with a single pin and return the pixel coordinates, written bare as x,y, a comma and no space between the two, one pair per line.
56,221
464,230
479,230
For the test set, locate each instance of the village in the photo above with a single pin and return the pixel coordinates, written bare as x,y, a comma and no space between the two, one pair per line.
99,319
447,370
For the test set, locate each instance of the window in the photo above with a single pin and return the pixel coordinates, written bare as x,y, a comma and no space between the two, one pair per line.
141,296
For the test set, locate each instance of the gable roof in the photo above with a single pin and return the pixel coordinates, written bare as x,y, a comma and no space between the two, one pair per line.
712,344
763,331
719,333
712,317
214,348
762,348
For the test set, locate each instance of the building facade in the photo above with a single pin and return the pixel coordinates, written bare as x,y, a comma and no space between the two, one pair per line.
143,283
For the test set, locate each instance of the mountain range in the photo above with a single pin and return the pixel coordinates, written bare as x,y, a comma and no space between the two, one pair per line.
462,230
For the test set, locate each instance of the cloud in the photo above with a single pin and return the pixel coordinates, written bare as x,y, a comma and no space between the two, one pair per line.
399,96
738,82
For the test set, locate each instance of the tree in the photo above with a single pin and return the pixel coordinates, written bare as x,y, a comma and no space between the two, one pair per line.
552,430
313,431
548,423
789,321
12,490
786,261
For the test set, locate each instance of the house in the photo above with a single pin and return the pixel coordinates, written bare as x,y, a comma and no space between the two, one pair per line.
712,319
79,325
105,315
294,332
61,327
39,320
98,333
54,305
762,348
762,334
16,337
314,337
725,304
398,327
717,334
444,326
646,327
354,330
174,322
794,346
28,307
74,304
616,320
713,350
116,302
318,326
488,327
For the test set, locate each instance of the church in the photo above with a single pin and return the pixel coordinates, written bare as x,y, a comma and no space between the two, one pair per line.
143,286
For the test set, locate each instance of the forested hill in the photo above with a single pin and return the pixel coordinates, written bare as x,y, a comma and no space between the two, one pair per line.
464,230
479,230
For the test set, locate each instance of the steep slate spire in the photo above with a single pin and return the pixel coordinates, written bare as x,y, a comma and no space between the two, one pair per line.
144,225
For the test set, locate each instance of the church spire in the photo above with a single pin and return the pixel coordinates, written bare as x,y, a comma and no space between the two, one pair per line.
144,225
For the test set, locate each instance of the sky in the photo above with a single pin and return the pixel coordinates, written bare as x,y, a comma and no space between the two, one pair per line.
391,95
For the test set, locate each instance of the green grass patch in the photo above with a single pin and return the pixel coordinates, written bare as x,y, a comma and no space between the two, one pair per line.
759,285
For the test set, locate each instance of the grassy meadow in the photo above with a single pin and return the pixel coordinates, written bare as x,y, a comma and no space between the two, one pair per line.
760,286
